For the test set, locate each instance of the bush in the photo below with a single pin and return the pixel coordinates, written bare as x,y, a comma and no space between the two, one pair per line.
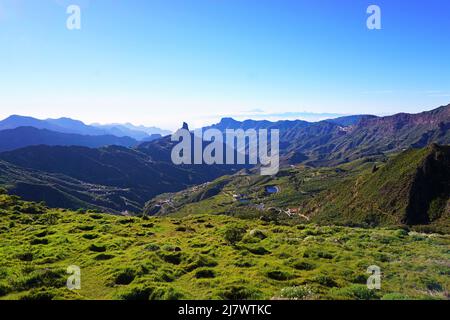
234,234
258,234
325,281
103,256
205,273
39,241
152,247
355,292
25,256
125,276
166,294
199,261
325,255
86,228
90,236
42,278
173,258
394,296
303,265
244,263
97,248
279,275
239,293
297,293
258,250
38,295
4,289
136,293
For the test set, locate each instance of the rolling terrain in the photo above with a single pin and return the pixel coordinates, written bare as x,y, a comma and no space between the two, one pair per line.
411,188
120,179
209,257
113,178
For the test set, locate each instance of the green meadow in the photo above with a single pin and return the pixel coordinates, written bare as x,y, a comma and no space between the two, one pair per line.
201,256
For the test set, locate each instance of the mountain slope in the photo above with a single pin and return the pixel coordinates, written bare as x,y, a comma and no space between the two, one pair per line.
413,188
123,178
29,136
383,135
336,141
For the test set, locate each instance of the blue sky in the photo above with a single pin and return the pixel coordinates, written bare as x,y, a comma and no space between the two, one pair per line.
161,62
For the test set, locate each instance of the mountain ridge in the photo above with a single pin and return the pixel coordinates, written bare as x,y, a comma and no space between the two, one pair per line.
21,137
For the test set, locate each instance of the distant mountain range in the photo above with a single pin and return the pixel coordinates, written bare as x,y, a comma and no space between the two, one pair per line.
335,141
112,179
29,136
124,173
67,125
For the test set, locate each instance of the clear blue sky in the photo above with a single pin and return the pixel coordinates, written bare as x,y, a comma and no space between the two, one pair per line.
159,62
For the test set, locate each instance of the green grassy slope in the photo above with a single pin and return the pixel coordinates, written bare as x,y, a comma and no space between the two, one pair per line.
412,188
209,257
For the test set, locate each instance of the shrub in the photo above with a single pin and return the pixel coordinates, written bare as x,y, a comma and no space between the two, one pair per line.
244,263
199,261
141,292
297,293
174,258
355,291
165,276
25,256
303,265
166,294
394,296
258,234
234,234
86,228
152,247
125,276
258,250
205,273
38,295
103,256
170,248
39,241
97,248
236,292
279,275
4,289
148,225
90,236
325,281
126,221
324,255
42,278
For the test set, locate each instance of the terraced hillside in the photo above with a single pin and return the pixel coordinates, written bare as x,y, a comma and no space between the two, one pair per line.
209,257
